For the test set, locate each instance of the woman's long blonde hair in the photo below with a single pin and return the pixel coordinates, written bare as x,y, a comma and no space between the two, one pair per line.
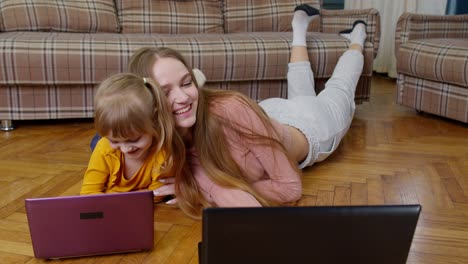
126,104
209,136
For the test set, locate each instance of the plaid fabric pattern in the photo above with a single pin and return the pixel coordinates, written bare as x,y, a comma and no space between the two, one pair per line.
76,101
432,55
262,15
334,21
58,15
48,75
27,102
171,17
52,75
416,26
63,58
440,60
433,97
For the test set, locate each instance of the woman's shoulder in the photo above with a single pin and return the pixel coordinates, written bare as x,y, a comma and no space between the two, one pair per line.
234,103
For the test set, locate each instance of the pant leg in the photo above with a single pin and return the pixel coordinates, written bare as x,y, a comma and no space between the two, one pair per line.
323,119
94,141
336,102
300,79
298,115
341,87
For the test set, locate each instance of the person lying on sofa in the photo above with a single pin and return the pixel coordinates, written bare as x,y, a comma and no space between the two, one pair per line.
247,154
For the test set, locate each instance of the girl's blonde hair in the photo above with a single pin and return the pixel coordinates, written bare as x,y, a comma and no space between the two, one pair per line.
209,137
127,105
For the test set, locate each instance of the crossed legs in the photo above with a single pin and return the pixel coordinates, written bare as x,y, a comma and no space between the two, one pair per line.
317,123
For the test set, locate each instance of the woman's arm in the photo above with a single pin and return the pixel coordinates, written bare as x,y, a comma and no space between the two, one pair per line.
282,180
283,183
222,197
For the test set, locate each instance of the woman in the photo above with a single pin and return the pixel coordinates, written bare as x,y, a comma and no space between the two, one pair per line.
244,154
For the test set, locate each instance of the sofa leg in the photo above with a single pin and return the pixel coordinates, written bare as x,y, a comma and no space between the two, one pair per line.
6,125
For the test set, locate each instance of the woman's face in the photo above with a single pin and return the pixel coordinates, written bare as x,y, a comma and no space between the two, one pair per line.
182,94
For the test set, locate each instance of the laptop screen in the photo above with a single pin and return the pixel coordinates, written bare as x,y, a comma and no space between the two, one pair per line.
71,226
328,234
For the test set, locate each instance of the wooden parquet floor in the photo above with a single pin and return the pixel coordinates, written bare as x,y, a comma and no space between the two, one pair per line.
391,155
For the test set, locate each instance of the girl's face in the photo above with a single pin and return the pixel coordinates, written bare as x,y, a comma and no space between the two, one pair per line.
182,94
135,147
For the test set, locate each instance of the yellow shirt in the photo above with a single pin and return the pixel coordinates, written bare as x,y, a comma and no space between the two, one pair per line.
105,173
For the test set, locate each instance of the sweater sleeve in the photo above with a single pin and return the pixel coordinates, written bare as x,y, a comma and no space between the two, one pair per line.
282,182
98,172
222,197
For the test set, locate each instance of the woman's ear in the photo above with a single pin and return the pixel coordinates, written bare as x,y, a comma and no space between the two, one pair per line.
200,77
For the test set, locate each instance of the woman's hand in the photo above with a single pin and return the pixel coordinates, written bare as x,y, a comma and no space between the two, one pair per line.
167,189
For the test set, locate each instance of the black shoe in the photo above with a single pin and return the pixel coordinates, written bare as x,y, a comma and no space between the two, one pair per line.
311,11
347,31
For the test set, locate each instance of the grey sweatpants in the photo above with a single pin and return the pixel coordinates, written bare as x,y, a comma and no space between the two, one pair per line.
324,118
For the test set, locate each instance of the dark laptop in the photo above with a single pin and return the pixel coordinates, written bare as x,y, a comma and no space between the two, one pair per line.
73,226
328,234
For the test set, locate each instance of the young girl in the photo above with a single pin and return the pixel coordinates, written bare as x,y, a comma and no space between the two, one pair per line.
139,144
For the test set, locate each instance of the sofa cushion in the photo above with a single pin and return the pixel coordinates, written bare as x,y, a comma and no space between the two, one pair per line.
263,15
65,58
172,17
441,60
55,15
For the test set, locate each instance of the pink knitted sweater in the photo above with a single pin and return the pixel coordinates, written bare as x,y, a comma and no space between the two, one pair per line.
268,171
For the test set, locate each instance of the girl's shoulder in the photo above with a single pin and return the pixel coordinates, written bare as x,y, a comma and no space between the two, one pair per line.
158,157
103,146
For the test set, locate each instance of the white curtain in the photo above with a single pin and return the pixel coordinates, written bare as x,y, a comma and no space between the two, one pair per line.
390,11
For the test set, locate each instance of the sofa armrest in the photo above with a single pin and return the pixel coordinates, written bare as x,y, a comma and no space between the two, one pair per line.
334,21
418,26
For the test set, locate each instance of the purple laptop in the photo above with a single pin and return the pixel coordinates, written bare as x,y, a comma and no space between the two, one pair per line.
74,226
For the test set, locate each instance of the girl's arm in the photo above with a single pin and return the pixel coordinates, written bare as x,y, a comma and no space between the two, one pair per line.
98,172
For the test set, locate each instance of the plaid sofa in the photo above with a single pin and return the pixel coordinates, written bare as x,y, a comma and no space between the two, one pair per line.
432,64
54,53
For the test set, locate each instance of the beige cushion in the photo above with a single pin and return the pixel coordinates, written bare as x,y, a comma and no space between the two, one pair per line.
170,17
263,15
89,58
440,60
55,15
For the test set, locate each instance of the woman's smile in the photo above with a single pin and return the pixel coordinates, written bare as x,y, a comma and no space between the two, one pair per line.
183,110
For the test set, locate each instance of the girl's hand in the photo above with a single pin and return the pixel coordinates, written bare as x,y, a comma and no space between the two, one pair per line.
167,189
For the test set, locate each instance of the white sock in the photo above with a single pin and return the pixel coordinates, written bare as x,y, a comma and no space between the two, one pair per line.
300,23
358,35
